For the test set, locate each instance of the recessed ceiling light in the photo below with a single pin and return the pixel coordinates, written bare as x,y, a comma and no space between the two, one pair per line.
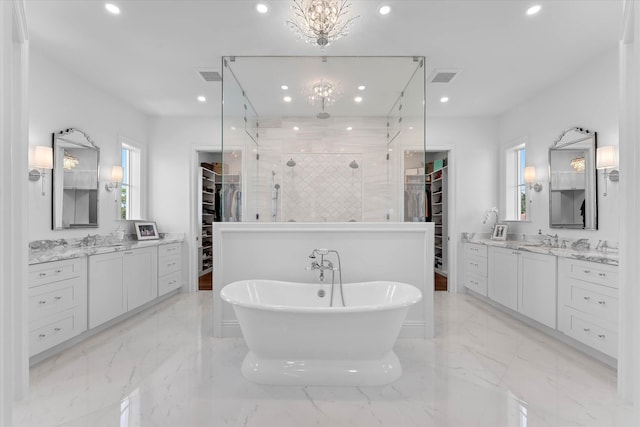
358,99
390,149
287,98
202,99
284,87
410,127
534,9
112,8
296,128
361,87
233,128
350,128
384,9
262,8
444,99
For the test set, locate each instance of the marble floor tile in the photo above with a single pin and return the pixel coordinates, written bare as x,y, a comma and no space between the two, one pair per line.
163,368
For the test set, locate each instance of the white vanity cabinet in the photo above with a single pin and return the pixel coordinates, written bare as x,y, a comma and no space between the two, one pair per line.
475,268
169,267
588,303
120,282
503,277
537,288
524,282
57,302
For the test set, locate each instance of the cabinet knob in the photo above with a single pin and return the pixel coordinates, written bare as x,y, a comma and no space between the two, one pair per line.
42,274
601,336
58,271
57,298
602,302
587,329
587,298
42,302
57,329
587,271
41,336
602,274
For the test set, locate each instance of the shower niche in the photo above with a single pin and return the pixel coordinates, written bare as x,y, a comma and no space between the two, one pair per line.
322,138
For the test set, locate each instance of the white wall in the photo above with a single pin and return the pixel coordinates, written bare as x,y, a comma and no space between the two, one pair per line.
172,170
473,177
58,100
588,99
14,60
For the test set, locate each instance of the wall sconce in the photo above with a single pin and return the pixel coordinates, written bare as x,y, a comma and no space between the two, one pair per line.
530,179
116,178
41,162
607,158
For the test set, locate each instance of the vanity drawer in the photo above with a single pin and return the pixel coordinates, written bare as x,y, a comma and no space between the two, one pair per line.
169,264
591,332
475,265
474,249
476,283
600,301
593,272
168,282
169,249
48,272
57,329
52,298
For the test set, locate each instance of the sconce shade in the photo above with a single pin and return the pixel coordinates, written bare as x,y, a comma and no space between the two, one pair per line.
606,157
42,157
116,174
529,174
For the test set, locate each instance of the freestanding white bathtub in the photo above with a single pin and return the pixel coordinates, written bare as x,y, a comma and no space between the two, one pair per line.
295,338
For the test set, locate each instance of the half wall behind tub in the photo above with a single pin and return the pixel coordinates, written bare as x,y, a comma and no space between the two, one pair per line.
368,252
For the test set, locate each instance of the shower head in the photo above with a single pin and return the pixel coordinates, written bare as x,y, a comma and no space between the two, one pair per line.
353,165
291,163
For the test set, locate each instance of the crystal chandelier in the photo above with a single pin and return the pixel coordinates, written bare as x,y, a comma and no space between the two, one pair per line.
578,164
69,162
323,94
321,21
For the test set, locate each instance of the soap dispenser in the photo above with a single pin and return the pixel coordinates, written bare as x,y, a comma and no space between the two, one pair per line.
119,233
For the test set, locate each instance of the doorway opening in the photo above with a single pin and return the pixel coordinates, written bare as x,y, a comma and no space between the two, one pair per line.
426,199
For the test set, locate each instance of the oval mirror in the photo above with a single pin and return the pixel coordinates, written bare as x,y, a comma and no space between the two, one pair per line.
572,180
75,180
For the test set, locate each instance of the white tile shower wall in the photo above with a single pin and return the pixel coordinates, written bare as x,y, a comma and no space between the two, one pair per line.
322,188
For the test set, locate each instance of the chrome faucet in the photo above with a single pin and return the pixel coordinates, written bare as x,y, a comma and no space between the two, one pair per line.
325,264
554,243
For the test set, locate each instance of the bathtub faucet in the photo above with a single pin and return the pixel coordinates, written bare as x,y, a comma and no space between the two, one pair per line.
325,264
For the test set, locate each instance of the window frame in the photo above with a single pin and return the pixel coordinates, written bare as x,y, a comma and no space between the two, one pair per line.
132,181
515,190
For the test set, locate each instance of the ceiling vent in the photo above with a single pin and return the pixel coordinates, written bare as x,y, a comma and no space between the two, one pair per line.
209,75
443,76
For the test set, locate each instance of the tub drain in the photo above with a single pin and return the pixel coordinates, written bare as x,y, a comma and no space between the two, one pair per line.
321,293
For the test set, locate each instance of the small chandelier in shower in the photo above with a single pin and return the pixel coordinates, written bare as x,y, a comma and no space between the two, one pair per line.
323,94
321,22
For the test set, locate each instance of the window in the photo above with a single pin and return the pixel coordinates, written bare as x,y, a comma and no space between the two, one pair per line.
130,197
516,194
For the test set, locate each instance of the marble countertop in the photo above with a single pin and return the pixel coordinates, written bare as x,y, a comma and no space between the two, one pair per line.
606,256
56,250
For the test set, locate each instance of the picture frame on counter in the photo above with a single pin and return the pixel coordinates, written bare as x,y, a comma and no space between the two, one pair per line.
146,230
500,232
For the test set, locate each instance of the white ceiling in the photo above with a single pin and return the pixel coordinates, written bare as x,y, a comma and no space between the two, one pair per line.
148,54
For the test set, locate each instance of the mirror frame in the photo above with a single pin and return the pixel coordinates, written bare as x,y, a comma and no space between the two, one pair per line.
89,145
562,142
